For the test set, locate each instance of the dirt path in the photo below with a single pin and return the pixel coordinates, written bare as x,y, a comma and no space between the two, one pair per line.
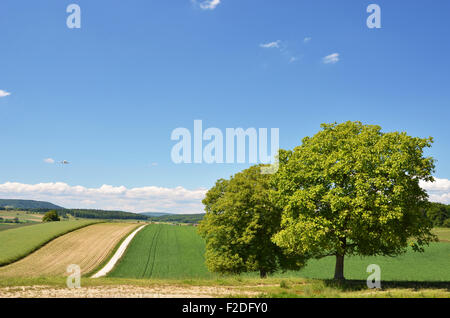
87,247
123,291
112,262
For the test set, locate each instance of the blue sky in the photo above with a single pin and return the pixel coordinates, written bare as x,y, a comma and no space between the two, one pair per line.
106,97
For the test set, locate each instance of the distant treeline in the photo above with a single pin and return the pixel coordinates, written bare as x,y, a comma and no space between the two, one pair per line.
119,215
101,214
15,220
439,214
87,214
179,218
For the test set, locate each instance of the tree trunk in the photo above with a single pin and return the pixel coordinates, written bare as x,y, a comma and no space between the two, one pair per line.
262,273
339,269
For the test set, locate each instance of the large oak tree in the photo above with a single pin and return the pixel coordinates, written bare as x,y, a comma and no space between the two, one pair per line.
352,189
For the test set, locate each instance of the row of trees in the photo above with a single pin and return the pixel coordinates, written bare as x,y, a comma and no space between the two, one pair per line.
178,218
439,214
101,214
349,190
14,220
91,214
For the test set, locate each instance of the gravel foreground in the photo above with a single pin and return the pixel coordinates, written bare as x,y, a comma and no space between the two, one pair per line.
122,291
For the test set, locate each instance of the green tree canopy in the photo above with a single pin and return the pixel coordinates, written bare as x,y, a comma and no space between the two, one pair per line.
51,216
238,226
352,189
438,213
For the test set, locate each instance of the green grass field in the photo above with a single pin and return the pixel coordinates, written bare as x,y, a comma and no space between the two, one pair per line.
177,252
164,251
17,243
432,265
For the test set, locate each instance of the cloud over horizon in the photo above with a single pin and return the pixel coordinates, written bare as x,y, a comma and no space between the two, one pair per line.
145,199
107,197
439,190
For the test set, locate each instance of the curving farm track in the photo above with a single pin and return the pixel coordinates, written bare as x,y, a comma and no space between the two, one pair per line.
87,247
117,256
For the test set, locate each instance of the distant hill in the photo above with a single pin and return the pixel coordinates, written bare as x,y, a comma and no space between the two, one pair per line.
43,207
155,214
28,204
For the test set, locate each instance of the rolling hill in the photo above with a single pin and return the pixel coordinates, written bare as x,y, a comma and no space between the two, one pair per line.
28,204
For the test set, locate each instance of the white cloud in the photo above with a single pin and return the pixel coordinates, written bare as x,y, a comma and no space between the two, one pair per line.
49,160
271,45
331,59
439,190
437,185
283,48
107,197
207,4
307,39
142,199
4,93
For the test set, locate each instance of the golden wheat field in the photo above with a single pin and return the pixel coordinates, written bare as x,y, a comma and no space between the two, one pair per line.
87,247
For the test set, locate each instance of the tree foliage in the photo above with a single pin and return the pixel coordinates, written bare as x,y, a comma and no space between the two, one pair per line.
438,213
446,223
51,216
238,226
352,189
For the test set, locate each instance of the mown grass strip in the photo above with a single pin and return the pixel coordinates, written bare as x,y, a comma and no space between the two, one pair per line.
17,243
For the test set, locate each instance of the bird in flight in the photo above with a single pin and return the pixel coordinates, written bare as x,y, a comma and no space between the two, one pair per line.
65,162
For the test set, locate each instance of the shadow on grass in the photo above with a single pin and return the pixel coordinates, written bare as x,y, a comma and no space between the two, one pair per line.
356,285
